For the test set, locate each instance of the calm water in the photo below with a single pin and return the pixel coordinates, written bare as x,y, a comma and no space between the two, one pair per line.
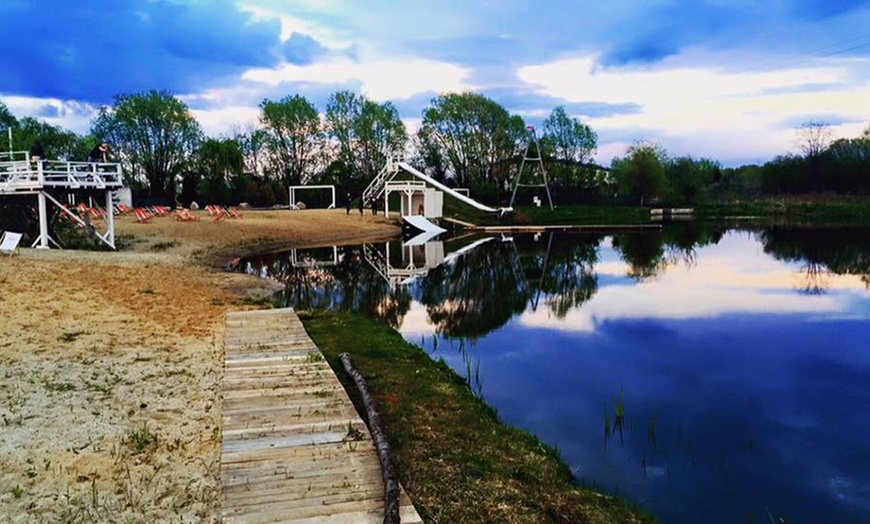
709,374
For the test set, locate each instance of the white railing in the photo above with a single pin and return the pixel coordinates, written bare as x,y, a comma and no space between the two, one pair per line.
23,175
13,156
376,187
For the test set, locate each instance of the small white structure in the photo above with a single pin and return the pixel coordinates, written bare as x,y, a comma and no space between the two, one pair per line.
417,199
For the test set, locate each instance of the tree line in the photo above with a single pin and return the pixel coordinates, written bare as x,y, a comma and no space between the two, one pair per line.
465,140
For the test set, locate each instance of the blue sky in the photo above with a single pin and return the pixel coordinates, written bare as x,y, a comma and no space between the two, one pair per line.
726,79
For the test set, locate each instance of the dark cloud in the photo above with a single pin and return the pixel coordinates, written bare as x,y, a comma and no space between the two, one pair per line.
48,111
662,32
302,49
90,52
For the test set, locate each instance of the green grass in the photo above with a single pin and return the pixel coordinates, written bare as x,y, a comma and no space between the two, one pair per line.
808,208
456,459
141,440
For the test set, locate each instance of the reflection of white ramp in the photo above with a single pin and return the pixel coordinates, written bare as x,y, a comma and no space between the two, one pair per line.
422,238
418,223
470,247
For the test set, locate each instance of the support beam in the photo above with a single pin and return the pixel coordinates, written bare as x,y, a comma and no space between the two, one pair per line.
43,221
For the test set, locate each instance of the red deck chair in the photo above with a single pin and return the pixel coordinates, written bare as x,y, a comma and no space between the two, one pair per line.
142,216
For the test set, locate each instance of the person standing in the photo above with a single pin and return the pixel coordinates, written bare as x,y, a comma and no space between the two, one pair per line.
362,205
347,202
37,153
99,153
374,204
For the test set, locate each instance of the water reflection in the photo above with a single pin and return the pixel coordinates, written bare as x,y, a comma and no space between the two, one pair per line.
713,374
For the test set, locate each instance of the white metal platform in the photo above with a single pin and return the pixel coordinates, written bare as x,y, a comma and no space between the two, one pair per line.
21,176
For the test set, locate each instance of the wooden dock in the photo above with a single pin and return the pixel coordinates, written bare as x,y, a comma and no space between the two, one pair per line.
294,448
563,228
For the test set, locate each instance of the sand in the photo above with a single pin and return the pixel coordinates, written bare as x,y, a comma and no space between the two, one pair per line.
111,364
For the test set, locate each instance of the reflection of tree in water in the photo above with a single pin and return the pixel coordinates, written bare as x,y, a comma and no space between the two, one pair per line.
649,253
643,252
820,251
682,238
352,285
475,293
561,267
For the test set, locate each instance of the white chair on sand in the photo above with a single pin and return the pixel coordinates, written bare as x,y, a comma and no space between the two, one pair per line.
9,243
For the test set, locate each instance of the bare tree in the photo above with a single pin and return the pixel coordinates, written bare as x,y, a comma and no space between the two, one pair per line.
814,138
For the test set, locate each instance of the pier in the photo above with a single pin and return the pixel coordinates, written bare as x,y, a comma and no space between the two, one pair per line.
294,448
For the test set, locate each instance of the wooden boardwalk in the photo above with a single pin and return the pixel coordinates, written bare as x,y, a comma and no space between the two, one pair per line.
294,448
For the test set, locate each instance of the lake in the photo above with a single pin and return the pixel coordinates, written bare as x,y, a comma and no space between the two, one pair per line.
708,372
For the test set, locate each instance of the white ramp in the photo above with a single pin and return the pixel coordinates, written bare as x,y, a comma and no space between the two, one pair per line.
420,223
451,192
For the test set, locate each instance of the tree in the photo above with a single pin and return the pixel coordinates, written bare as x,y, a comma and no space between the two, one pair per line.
688,178
568,145
58,143
814,138
7,119
380,134
365,133
568,140
342,112
217,161
641,172
477,136
296,138
253,145
153,134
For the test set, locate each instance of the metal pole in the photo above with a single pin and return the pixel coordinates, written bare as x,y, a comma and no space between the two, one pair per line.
43,222
110,219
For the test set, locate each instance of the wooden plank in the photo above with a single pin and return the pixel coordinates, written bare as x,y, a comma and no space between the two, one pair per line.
294,448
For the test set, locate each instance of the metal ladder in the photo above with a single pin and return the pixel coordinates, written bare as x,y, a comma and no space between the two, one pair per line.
533,139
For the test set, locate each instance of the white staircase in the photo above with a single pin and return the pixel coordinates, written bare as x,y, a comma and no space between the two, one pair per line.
376,188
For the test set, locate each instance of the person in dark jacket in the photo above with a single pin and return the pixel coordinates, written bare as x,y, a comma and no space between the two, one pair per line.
37,153
99,154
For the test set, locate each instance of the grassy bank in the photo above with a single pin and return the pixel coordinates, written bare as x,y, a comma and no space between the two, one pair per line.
812,208
455,458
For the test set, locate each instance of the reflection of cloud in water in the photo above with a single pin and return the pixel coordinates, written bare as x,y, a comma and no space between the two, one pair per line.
416,321
719,284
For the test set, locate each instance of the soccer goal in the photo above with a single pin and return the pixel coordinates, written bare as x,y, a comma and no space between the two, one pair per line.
315,197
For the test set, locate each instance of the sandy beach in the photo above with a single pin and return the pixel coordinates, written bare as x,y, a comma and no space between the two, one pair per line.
111,363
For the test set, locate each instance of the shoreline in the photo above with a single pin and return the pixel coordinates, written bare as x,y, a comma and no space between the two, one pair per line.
112,360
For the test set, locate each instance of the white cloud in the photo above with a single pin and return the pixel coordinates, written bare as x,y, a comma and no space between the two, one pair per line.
325,35
71,115
380,79
718,285
707,111
226,119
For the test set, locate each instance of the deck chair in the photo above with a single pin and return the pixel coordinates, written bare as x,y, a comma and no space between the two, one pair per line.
185,215
9,243
142,216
